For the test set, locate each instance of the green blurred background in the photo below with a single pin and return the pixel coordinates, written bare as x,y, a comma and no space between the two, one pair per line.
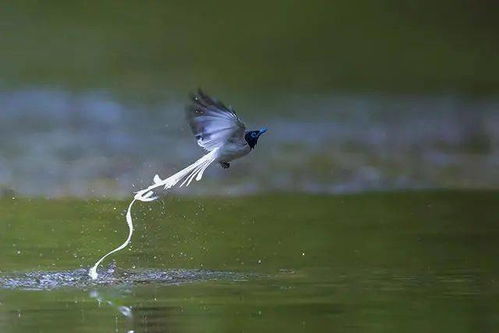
146,48
370,205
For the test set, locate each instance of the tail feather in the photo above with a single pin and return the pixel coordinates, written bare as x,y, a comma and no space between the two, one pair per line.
195,170
200,173
186,175
190,176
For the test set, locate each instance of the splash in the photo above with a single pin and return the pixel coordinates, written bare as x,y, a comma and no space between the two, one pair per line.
195,170
79,279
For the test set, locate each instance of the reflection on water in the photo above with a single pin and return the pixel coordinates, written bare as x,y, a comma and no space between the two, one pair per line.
124,310
91,144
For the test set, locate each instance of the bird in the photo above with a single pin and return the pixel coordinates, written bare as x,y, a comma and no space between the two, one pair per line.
217,126
217,129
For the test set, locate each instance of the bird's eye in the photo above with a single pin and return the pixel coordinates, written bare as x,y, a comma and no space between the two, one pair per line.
253,135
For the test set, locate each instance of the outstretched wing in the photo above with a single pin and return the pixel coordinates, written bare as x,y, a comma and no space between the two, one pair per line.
213,123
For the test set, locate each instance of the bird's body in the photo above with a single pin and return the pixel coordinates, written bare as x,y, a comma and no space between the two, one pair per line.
217,127
231,151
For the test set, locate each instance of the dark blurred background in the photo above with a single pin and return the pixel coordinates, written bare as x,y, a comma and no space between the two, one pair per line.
364,95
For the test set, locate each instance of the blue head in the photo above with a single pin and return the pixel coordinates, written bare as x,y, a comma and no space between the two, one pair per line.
252,137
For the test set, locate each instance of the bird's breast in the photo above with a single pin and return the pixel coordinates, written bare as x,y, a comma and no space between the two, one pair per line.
231,151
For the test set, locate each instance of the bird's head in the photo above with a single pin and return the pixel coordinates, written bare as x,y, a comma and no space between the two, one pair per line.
252,136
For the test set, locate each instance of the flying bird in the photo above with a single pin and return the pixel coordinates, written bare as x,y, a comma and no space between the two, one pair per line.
216,126
217,129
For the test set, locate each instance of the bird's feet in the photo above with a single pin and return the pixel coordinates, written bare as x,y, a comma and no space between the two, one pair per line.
225,165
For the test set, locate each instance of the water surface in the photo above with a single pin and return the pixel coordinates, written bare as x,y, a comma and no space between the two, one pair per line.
415,261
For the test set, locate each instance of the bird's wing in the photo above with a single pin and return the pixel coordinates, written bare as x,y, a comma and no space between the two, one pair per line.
213,123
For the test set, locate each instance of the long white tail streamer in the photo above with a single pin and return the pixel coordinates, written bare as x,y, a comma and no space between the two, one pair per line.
195,170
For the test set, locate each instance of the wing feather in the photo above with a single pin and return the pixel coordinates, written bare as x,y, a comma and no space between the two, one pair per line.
212,123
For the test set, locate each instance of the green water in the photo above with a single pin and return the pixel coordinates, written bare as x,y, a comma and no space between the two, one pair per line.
420,261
